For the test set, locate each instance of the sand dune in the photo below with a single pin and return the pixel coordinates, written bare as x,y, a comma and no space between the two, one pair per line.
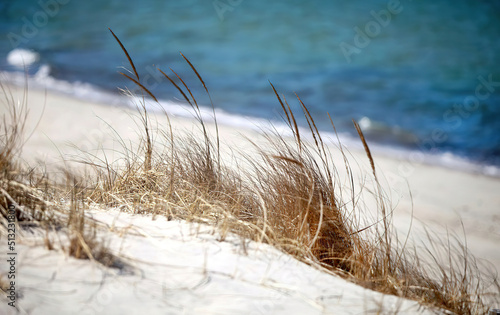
179,268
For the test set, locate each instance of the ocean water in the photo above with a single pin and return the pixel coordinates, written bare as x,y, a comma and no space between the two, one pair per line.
419,76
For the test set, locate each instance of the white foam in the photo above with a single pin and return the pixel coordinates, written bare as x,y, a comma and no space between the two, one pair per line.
444,159
42,73
22,58
365,123
43,80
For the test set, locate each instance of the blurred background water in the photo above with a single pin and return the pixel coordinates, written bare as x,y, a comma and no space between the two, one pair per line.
417,75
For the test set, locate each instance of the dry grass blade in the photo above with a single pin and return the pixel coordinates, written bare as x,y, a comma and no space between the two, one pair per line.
346,162
290,117
212,105
176,86
282,105
287,159
126,54
308,115
140,85
197,112
198,75
295,128
365,145
195,107
310,122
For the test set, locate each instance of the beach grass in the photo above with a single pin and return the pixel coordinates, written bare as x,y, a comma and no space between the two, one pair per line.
290,195
36,197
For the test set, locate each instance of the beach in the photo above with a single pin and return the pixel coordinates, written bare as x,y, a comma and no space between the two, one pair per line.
318,157
61,131
441,197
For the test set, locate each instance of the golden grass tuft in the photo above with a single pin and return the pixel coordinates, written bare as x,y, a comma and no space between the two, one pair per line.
292,196
37,199
294,199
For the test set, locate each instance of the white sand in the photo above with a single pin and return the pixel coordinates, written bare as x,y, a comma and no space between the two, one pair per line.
176,268
442,198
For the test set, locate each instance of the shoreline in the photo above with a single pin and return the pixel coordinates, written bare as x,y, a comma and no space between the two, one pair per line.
86,92
437,197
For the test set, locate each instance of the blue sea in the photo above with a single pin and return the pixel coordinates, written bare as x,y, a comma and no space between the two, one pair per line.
419,76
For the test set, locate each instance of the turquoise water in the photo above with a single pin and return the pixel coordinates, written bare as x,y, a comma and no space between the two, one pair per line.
419,75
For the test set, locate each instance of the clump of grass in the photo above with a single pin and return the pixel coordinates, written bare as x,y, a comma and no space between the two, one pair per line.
84,242
293,198
302,211
36,198
18,185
